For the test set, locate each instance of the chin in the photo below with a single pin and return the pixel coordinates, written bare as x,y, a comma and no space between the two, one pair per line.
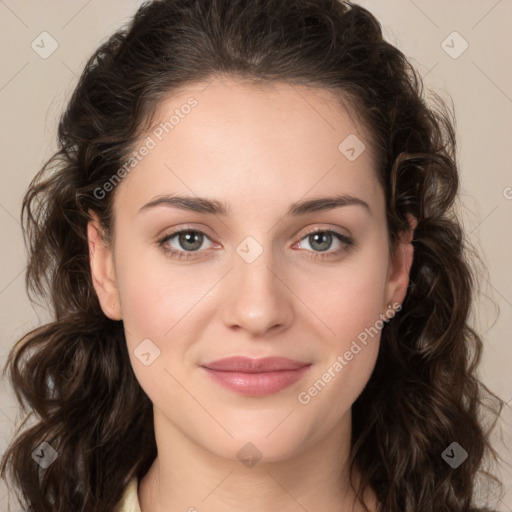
259,442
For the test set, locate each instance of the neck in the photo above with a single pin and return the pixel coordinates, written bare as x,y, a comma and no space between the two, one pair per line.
185,476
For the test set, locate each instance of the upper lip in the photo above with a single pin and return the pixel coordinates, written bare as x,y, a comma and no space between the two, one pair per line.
248,365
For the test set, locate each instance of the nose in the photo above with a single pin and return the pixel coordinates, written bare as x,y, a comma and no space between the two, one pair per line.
258,298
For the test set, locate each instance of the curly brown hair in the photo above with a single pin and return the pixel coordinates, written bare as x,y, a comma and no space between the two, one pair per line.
74,373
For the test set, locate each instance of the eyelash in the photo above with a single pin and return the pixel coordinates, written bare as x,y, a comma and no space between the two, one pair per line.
347,242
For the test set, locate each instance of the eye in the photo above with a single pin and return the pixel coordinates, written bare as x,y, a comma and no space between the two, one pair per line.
321,240
187,240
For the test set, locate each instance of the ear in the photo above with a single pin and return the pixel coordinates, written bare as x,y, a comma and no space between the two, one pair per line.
102,270
400,266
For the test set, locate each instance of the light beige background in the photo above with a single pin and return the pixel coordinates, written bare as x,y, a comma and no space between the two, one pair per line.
33,92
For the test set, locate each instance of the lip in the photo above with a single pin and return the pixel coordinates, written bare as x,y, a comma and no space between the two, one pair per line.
256,377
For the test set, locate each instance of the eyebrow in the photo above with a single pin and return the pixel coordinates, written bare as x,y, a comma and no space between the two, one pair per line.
214,207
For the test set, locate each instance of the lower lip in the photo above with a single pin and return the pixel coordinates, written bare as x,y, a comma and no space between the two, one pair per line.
257,384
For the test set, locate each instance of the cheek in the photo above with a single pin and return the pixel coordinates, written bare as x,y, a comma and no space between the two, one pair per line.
166,304
349,349
332,391
157,295
156,308
349,302
348,298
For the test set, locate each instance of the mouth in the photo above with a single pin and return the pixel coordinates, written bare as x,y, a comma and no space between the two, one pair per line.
256,377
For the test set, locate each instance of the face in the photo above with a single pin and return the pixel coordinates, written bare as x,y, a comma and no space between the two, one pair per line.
266,270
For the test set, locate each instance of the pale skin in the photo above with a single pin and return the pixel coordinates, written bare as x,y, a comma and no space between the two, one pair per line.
257,150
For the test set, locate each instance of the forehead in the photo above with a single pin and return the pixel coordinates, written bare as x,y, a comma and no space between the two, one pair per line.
225,103
228,138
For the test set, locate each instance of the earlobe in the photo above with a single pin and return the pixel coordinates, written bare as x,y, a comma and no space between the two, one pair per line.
102,270
401,263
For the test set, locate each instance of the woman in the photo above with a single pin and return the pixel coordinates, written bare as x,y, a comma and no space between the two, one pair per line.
309,350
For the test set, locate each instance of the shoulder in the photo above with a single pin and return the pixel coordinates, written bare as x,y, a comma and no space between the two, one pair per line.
130,499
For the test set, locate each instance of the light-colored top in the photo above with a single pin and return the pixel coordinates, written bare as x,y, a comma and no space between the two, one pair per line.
130,500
